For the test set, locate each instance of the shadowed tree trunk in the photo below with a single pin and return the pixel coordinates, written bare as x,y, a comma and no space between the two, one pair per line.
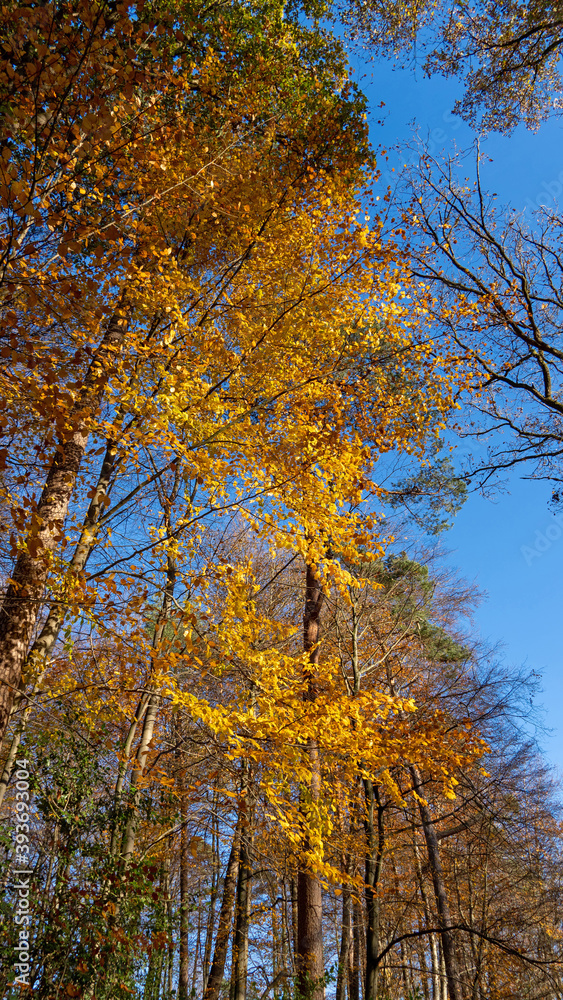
309,958
243,895
375,842
345,938
354,954
442,904
225,918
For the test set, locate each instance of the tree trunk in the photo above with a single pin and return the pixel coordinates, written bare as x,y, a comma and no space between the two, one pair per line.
293,890
184,969
36,661
442,905
375,842
153,703
122,771
354,956
225,918
243,898
215,879
128,839
310,964
345,940
24,595
434,956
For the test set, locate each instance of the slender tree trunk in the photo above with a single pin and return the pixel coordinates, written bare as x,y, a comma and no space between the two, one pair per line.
153,703
436,974
434,956
442,904
24,595
443,976
225,918
170,929
405,969
375,843
197,941
287,961
422,962
184,967
345,942
129,834
215,876
310,964
122,771
354,955
243,898
293,890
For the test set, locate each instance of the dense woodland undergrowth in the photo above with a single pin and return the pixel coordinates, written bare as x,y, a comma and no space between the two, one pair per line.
249,748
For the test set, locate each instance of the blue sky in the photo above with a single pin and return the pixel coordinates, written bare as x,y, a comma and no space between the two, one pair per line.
510,546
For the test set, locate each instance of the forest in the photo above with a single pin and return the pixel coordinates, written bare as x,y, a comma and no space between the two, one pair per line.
251,746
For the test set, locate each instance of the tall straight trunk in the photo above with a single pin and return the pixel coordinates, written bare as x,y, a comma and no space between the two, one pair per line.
287,962
243,898
24,595
170,930
440,893
434,956
443,976
215,877
293,890
345,943
354,955
153,703
225,918
130,831
375,845
184,969
436,973
405,969
422,962
310,964
140,710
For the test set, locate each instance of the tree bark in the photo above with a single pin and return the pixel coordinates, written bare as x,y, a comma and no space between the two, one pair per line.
215,879
128,839
310,963
434,956
225,918
375,844
184,956
243,898
442,904
345,938
153,703
36,661
24,595
354,957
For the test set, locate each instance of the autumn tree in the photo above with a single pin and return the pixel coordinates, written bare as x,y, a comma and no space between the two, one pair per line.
507,55
501,278
72,334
